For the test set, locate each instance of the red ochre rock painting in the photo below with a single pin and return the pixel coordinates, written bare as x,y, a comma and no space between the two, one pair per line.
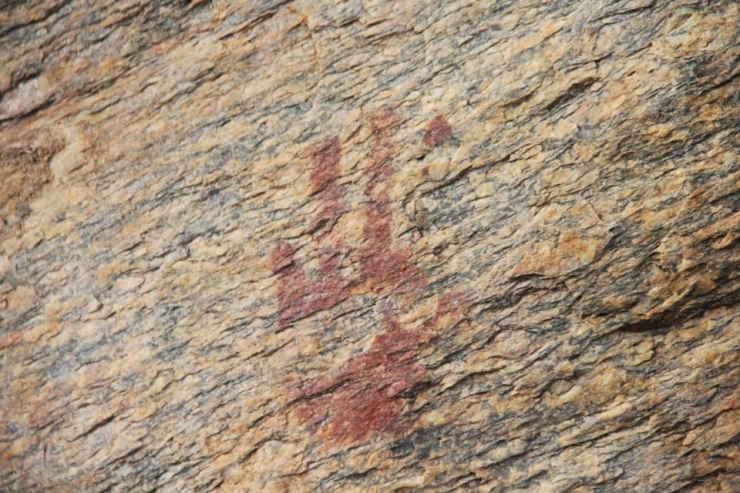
297,296
324,186
438,131
366,394
381,265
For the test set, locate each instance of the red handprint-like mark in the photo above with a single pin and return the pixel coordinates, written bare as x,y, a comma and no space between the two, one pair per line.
297,297
366,394
381,265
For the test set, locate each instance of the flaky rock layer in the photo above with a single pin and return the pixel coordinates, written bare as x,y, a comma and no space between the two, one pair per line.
369,246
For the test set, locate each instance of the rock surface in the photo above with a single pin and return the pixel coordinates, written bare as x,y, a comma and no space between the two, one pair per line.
370,246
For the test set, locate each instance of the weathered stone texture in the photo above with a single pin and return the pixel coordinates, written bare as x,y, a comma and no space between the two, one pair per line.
370,246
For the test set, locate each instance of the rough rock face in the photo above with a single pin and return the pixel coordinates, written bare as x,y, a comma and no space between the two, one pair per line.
370,246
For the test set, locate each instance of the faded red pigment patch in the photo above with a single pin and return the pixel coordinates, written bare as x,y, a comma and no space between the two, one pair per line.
451,309
324,183
382,266
367,395
292,284
438,131
299,297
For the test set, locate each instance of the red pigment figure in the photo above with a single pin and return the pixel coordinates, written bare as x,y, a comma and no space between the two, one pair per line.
297,297
324,184
381,265
292,286
366,394
438,131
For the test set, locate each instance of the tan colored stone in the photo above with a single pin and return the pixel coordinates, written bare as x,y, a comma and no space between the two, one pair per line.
369,246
